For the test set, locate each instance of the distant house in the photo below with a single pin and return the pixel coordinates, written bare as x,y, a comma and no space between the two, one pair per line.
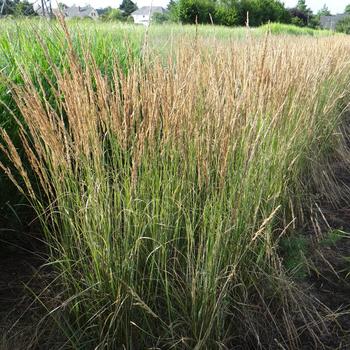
47,11
81,12
71,12
144,14
330,22
103,11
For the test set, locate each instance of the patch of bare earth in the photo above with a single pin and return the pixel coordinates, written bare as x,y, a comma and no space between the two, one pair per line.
328,261
22,280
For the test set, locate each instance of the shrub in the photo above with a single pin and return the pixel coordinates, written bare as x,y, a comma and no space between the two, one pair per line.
343,26
113,15
191,11
127,7
226,16
262,11
173,9
160,18
298,17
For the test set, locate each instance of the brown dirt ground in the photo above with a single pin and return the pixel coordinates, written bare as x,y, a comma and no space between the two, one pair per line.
22,278
328,279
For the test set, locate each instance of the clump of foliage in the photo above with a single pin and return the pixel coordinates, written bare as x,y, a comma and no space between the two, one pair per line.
347,9
302,15
160,18
192,11
112,14
127,7
232,12
261,12
242,12
333,237
294,250
173,11
226,15
343,26
122,14
17,8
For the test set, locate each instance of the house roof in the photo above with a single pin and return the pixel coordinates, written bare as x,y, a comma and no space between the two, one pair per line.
331,21
78,11
40,12
148,10
71,12
102,11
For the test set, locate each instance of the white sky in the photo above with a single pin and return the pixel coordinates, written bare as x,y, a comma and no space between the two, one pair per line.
335,6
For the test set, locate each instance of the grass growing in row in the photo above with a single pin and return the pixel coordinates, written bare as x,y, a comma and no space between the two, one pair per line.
165,187
107,41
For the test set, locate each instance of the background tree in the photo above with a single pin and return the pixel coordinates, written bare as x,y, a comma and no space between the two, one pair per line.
315,20
343,26
127,7
173,10
229,12
347,9
262,11
324,11
301,6
191,10
302,15
112,15
17,8
298,18
160,18
226,14
7,7
271,11
24,8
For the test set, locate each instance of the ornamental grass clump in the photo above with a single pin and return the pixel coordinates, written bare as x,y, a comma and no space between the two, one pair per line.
164,189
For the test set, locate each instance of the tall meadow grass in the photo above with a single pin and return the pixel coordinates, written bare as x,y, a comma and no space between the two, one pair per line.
166,186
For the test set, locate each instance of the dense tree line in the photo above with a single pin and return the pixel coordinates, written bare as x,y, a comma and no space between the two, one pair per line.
232,12
220,12
242,12
228,12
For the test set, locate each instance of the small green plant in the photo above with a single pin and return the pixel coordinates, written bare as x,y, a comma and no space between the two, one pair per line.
293,250
332,237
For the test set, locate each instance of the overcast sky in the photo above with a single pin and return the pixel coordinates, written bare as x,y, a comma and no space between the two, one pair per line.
335,6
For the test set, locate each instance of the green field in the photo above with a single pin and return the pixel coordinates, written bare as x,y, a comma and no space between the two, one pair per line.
166,166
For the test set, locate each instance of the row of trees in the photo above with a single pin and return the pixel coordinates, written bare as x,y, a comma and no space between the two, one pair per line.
228,12
242,12
222,12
